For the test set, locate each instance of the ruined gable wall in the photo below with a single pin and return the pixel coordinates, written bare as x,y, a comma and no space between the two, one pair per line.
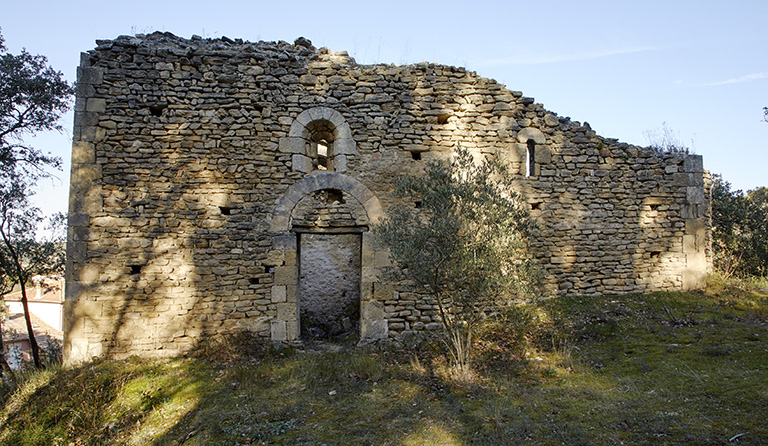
184,153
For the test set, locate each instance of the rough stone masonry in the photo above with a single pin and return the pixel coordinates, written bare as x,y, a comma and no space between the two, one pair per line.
206,171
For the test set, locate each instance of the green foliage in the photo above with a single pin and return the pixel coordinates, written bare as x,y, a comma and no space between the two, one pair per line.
464,243
601,370
32,98
739,229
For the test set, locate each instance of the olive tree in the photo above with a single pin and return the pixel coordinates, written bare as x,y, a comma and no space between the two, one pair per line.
463,240
739,229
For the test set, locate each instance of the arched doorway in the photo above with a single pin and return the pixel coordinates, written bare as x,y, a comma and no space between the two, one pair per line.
325,217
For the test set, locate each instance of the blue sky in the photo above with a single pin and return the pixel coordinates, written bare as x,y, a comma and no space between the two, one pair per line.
624,67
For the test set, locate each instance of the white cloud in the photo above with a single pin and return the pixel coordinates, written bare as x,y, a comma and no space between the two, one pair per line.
736,80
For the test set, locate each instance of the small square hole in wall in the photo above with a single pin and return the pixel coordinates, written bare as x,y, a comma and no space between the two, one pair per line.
418,204
416,155
135,269
253,280
269,269
443,118
536,206
655,254
156,110
225,210
334,196
654,207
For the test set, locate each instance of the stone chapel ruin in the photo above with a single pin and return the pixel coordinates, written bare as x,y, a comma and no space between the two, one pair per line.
222,186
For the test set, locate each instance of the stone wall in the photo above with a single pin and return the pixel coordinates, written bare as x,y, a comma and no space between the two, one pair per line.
197,162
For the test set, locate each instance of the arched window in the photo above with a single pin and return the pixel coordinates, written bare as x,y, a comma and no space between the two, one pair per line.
321,141
530,166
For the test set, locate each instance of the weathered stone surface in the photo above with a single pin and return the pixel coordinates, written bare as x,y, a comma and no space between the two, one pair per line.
194,171
329,286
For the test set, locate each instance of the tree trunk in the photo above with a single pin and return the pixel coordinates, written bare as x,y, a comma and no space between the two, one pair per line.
30,331
4,367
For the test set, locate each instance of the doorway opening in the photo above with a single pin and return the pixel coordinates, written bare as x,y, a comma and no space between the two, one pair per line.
329,285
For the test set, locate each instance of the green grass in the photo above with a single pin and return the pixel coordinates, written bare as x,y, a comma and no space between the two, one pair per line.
667,368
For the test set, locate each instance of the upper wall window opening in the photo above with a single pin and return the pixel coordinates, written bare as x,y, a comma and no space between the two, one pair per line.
322,155
530,165
321,141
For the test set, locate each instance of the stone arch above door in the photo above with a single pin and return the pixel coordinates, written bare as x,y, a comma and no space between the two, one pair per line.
284,294
281,216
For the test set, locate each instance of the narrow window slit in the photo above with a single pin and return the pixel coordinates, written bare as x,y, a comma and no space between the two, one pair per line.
531,159
322,155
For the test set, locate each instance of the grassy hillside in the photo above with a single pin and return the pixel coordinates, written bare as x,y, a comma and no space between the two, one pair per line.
660,369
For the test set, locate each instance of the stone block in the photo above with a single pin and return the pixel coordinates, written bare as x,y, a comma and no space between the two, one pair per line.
287,312
78,219
382,292
516,153
92,133
529,133
345,146
301,163
286,275
680,179
373,325
289,258
340,163
370,274
80,104
279,294
542,154
375,212
291,144
319,114
693,163
279,223
695,195
690,244
278,331
292,330
86,119
76,251
695,226
97,105
366,291
551,120
90,75
291,293
297,130
342,132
